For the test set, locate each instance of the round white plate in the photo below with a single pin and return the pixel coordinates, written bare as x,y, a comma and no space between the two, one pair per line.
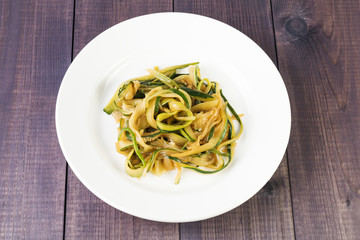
247,76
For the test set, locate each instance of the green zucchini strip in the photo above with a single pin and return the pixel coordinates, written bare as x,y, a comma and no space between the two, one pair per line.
126,147
163,78
168,71
212,88
202,82
214,150
136,147
197,78
153,156
232,110
151,135
122,111
139,95
188,134
223,133
197,94
110,107
151,83
178,92
169,127
211,133
157,106
193,74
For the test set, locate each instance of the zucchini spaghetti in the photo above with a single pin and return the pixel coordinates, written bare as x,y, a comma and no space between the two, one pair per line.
172,121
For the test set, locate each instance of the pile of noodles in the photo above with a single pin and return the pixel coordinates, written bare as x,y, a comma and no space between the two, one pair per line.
169,121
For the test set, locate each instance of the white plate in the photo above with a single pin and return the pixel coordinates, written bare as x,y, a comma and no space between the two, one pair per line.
247,76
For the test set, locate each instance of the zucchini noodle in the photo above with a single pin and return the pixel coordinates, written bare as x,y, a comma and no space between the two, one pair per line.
172,121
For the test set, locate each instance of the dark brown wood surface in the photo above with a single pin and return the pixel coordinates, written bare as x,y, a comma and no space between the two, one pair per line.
315,193
35,50
318,51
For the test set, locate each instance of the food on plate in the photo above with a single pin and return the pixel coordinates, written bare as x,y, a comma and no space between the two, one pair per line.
171,120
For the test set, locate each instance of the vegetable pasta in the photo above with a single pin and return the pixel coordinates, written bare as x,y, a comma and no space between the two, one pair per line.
172,121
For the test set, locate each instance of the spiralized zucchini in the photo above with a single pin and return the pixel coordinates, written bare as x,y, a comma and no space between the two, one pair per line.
172,121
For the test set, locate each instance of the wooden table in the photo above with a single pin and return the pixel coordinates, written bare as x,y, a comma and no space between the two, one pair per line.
315,193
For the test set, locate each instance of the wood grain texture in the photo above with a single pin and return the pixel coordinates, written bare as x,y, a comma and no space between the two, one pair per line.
268,215
318,49
87,217
35,46
253,18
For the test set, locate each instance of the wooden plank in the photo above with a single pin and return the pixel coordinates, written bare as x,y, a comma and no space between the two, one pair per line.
87,217
35,47
242,15
268,215
318,46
